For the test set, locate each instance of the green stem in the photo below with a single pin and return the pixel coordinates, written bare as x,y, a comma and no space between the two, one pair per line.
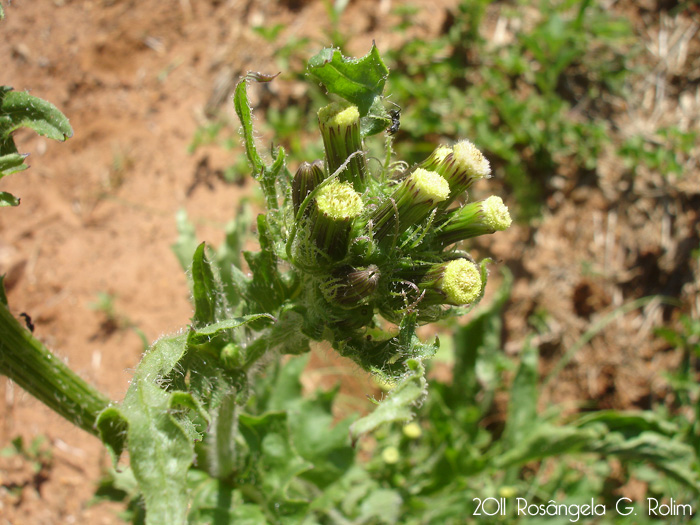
224,435
34,368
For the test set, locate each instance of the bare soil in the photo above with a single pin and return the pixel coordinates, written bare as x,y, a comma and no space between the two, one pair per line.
97,216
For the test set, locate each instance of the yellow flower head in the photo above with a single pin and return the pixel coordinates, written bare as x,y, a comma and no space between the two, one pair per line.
461,282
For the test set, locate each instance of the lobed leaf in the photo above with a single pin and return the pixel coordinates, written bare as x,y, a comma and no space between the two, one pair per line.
360,81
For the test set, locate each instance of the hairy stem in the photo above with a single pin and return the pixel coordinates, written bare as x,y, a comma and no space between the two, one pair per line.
225,436
34,368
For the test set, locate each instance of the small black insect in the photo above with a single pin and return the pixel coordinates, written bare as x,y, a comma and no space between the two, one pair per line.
395,115
28,321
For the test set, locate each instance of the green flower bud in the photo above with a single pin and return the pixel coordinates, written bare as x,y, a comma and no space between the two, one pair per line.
340,129
414,199
349,286
232,356
474,219
461,167
336,207
455,282
436,158
307,177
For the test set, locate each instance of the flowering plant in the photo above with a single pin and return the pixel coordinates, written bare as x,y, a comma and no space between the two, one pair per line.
353,251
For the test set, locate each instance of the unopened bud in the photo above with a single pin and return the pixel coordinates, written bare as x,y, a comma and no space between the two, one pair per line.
349,286
340,129
436,158
232,356
308,176
474,219
336,207
414,199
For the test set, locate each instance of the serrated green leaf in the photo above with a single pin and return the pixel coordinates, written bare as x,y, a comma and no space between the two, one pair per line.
265,289
400,404
205,289
19,109
12,163
358,80
7,199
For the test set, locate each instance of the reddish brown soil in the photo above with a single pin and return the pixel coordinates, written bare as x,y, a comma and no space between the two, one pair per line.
97,214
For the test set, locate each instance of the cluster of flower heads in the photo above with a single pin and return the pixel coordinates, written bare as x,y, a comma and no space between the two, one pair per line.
386,243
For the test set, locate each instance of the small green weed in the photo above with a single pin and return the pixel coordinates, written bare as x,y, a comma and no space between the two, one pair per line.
37,453
668,152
